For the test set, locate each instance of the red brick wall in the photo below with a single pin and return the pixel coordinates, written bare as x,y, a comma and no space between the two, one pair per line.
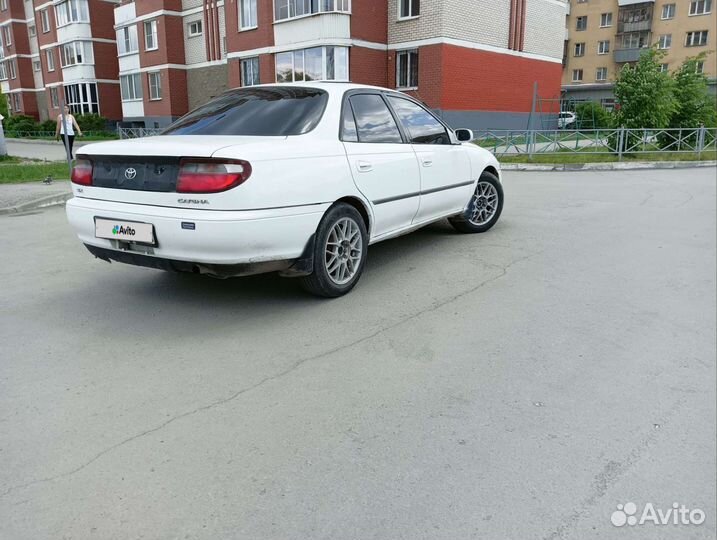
110,101
106,63
481,80
266,70
170,38
174,100
262,36
431,71
103,19
369,20
368,66
51,36
29,104
51,76
149,6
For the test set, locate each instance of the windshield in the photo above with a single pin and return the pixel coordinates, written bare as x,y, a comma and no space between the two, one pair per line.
274,111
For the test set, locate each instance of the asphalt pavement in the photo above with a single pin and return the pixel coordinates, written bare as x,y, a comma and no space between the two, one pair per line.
518,384
35,149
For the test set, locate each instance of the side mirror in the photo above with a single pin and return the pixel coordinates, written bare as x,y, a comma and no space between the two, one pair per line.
464,135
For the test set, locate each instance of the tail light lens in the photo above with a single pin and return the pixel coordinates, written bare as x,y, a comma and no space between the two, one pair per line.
82,172
211,176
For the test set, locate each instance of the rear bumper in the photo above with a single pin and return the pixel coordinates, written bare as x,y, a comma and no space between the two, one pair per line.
219,240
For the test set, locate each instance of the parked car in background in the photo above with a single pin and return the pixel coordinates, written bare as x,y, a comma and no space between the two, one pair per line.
298,179
566,119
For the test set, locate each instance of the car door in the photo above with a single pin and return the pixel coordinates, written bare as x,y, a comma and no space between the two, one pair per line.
445,169
384,166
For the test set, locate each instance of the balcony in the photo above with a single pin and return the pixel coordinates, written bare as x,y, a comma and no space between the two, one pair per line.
628,55
640,26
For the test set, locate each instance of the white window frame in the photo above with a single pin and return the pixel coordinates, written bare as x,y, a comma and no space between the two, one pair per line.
324,62
54,97
577,21
82,106
154,32
85,52
3,72
131,87
253,62
50,57
665,42
706,6
296,9
198,28
7,34
575,72
12,69
36,66
691,42
127,40
408,17
581,46
606,23
668,12
3,5
409,72
664,68
45,20
604,49
600,71
31,30
71,11
700,66
155,90
253,21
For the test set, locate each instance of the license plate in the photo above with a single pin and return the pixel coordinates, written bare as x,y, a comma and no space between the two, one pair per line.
127,231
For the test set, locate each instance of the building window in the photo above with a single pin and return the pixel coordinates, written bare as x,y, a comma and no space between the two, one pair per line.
12,69
696,39
288,9
700,7
3,72
32,30
7,32
668,11
77,52
250,71
45,19
664,67
407,69
82,98
577,75
315,64
409,8
3,5
50,55
603,47
71,11
582,1
635,40
17,102
155,85
605,20
601,74
54,98
579,49
150,35
247,14
131,87
581,23
36,66
194,28
665,41
127,42
700,66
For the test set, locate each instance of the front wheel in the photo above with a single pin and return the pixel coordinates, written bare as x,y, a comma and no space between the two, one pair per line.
340,247
484,208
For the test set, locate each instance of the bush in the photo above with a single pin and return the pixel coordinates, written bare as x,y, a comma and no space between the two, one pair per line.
19,123
47,125
592,115
92,122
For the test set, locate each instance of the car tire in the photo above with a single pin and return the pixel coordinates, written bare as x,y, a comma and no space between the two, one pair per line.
484,208
340,247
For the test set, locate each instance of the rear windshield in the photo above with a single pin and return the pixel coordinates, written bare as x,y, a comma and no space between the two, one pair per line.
276,111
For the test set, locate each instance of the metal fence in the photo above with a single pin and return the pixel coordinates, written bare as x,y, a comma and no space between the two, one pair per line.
135,133
619,142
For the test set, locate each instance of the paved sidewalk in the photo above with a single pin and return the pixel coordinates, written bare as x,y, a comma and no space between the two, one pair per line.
47,150
34,194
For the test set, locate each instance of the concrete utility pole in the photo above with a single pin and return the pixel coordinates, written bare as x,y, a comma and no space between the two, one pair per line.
3,146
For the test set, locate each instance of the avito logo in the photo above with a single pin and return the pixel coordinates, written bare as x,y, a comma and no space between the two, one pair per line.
120,229
627,514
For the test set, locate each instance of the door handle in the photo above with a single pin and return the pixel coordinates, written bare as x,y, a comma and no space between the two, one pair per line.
427,162
364,166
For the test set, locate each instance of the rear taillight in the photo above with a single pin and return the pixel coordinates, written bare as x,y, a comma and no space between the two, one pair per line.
211,176
82,172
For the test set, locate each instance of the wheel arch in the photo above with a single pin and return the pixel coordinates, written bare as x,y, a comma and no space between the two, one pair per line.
362,209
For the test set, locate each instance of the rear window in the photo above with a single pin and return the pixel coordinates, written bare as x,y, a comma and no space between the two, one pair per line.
276,111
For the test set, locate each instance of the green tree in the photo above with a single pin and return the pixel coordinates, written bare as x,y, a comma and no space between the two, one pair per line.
592,115
694,105
3,105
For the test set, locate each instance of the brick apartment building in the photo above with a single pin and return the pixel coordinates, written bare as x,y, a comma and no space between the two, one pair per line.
147,62
59,51
604,35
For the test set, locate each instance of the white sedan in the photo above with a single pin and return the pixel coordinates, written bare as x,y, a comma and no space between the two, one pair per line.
298,179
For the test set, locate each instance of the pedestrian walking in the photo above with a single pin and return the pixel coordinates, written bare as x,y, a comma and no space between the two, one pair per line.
67,130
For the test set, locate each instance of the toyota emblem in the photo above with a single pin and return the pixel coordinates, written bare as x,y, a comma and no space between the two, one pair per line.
130,173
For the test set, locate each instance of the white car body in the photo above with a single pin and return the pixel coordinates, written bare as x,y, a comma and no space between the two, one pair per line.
566,119
267,223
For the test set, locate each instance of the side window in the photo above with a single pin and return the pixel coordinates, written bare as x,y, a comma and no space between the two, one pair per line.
374,121
348,125
421,126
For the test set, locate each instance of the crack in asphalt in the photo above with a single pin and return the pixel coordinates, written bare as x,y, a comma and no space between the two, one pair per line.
293,367
611,473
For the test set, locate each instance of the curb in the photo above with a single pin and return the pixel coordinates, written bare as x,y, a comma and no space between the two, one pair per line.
43,202
618,166
46,142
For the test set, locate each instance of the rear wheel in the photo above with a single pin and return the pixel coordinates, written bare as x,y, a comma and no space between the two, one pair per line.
484,208
340,247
